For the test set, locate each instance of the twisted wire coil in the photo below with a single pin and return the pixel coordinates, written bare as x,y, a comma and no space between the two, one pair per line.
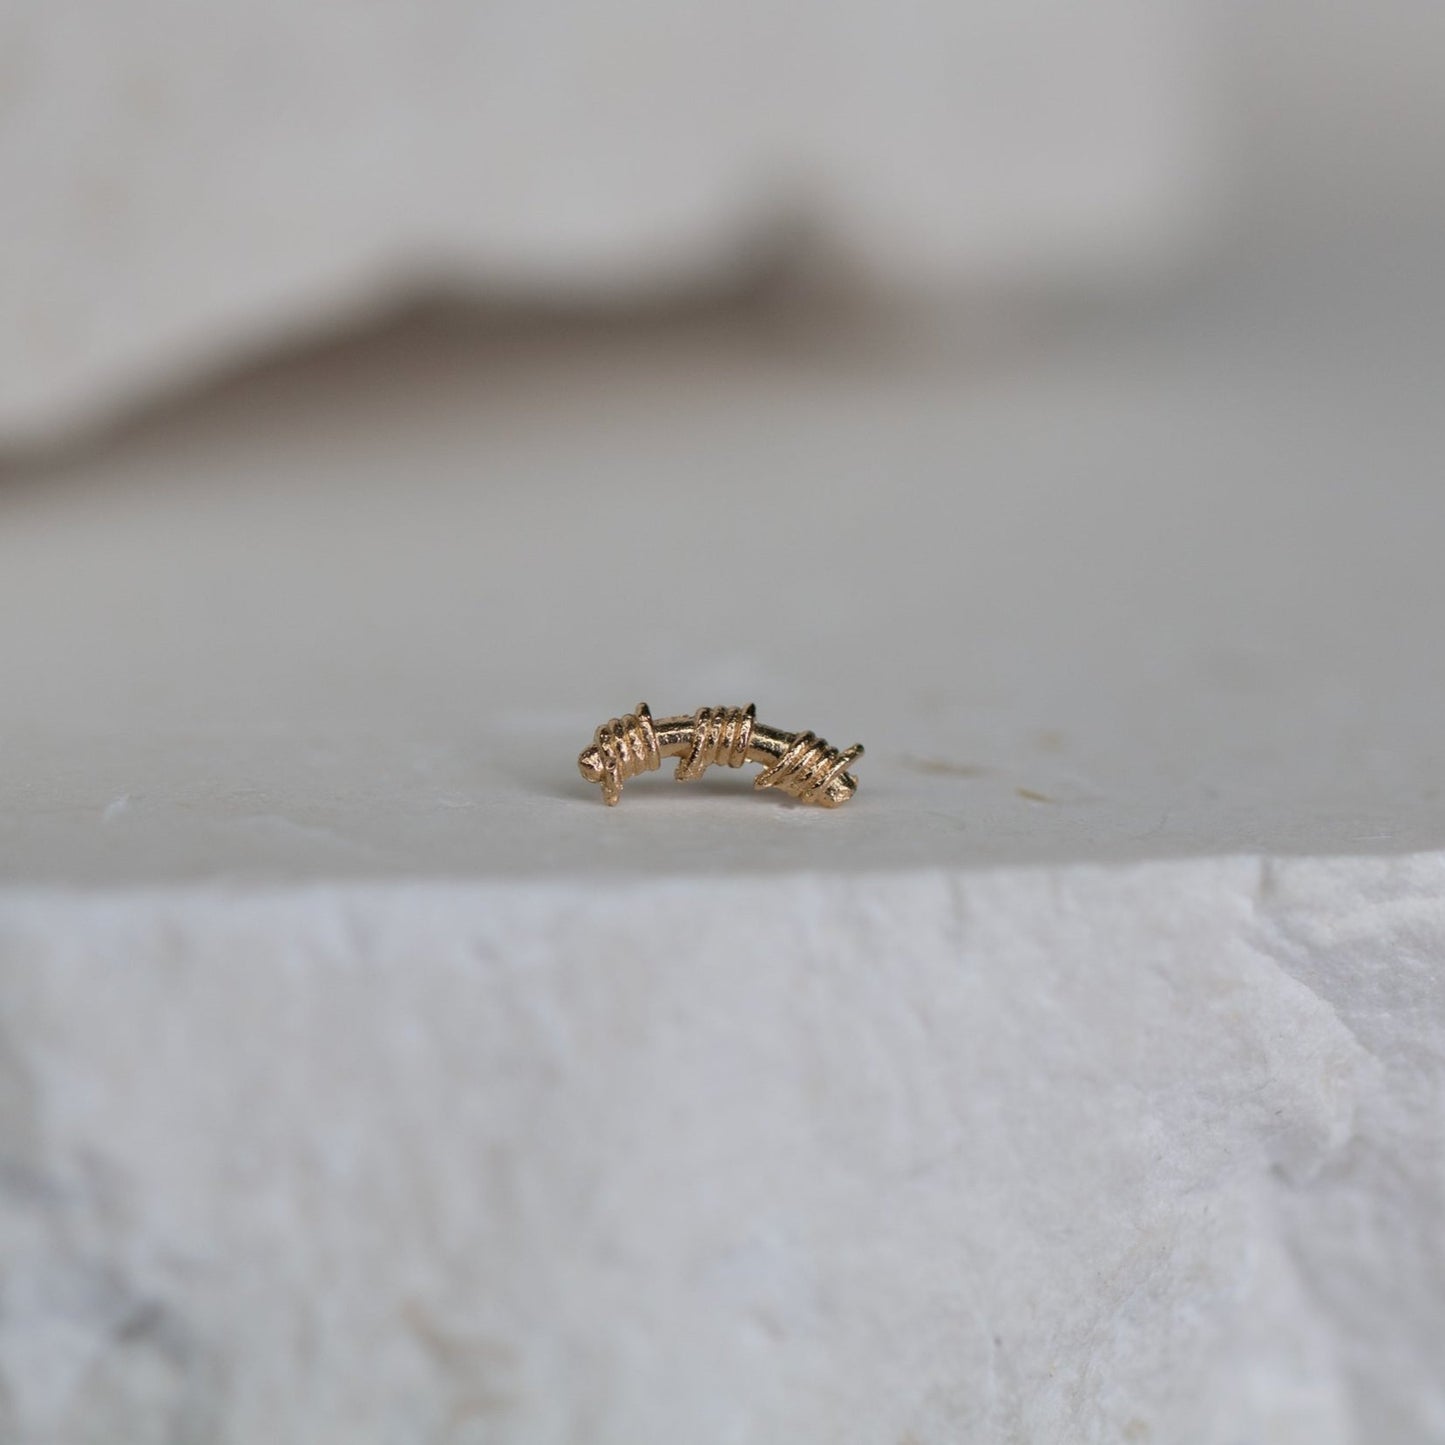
626,746
807,768
719,735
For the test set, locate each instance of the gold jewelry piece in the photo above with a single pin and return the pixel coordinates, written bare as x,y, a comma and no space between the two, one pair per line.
802,765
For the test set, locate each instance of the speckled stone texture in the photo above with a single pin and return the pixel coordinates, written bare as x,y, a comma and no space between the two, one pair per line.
1069,1154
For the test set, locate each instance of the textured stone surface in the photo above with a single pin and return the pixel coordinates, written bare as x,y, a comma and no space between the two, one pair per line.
185,185
1065,1155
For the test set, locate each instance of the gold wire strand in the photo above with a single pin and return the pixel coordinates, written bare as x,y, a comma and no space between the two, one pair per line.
720,735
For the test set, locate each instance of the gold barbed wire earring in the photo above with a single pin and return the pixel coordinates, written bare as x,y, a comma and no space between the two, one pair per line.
800,764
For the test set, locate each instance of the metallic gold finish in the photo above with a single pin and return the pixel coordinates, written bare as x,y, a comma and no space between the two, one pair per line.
800,764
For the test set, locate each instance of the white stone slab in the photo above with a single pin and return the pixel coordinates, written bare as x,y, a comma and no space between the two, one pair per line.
1149,1152
1145,590
365,1079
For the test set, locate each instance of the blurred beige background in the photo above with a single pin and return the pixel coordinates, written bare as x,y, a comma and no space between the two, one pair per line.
189,184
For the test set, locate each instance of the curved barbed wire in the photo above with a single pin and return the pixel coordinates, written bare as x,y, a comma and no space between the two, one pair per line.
802,765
